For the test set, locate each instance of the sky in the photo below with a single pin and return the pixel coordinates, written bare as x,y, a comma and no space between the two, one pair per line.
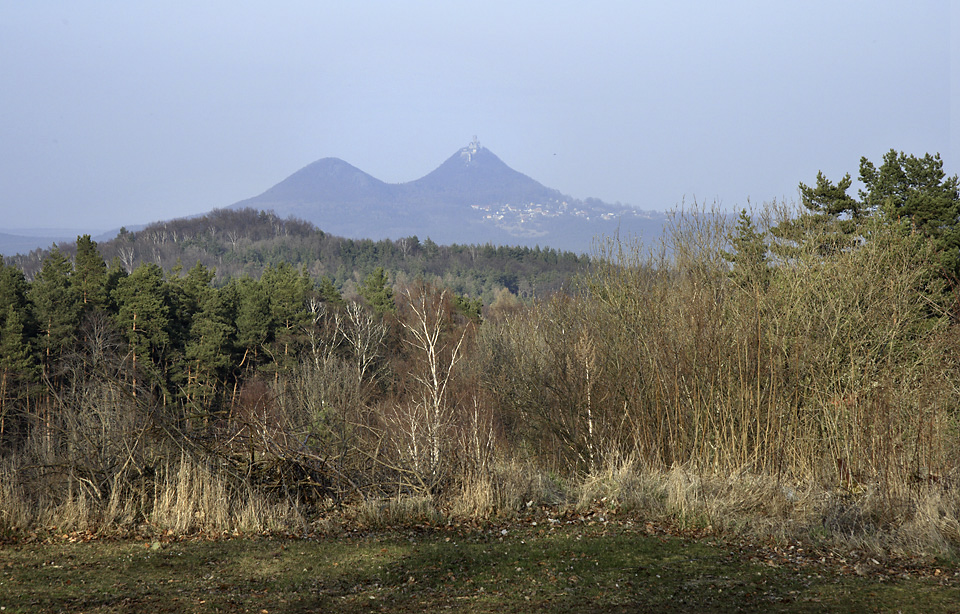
120,113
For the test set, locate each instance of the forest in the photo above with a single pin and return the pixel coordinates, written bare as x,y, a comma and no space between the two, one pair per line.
793,370
238,243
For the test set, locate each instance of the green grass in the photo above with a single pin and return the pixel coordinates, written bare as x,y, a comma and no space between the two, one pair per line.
551,567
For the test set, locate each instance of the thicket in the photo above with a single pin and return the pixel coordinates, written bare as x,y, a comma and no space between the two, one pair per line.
794,371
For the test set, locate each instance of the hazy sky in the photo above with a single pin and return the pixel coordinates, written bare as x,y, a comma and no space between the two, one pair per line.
128,112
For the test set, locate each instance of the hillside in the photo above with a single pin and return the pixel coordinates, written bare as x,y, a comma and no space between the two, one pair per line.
237,243
473,197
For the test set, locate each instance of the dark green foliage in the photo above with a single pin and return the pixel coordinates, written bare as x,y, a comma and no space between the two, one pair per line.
831,199
89,274
56,308
750,268
288,290
905,189
917,191
377,292
252,319
18,368
245,242
472,308
143,318
329,293
827,226
207,351
115,272
13,293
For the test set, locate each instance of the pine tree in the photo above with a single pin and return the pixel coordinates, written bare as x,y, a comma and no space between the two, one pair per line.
143,316
377,293
253,320
56,309
186,295
329,293
288,292
17,364
749,260
89,274
208,350
916,190
827,226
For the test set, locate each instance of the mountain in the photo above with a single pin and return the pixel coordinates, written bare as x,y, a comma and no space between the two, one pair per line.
474,175
473,197
329,181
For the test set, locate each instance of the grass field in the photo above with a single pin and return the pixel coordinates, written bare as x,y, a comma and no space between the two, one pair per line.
578,564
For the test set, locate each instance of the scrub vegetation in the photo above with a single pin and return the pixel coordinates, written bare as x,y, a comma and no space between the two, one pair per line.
791,375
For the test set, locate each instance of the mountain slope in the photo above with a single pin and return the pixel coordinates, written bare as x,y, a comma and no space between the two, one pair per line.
473,197
475,176
333,178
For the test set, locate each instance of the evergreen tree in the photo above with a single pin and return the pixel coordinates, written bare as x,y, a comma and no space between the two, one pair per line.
89,274
749,261
17,364
186,295
832,200
288,292
471,308
377,293
917,190
13,293
254,325
143,316
828,225
329,293
115,272
208,350
55,305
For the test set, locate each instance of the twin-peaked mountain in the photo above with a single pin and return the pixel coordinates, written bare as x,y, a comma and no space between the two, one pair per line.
473,197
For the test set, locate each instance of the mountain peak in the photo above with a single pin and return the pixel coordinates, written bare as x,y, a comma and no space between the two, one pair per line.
468,152
474,175
473,196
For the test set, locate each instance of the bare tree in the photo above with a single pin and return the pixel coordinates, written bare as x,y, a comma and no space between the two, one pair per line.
364,333
423,424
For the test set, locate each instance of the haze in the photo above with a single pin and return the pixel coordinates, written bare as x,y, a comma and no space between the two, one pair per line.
118,113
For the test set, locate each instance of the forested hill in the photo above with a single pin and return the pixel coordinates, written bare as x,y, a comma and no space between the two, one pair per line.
237,243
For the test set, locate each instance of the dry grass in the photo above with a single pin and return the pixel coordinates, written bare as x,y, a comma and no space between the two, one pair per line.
508,487
818,400
196,497
922,520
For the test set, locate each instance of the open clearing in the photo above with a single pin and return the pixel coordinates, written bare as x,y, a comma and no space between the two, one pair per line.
589,564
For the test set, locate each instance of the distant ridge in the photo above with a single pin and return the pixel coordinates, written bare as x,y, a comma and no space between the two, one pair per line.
472,197
24,241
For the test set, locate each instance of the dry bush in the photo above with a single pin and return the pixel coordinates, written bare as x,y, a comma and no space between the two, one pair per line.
420,428
507,487
396,511
836,361
200,496
623,485
822,394
559,390
814,397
